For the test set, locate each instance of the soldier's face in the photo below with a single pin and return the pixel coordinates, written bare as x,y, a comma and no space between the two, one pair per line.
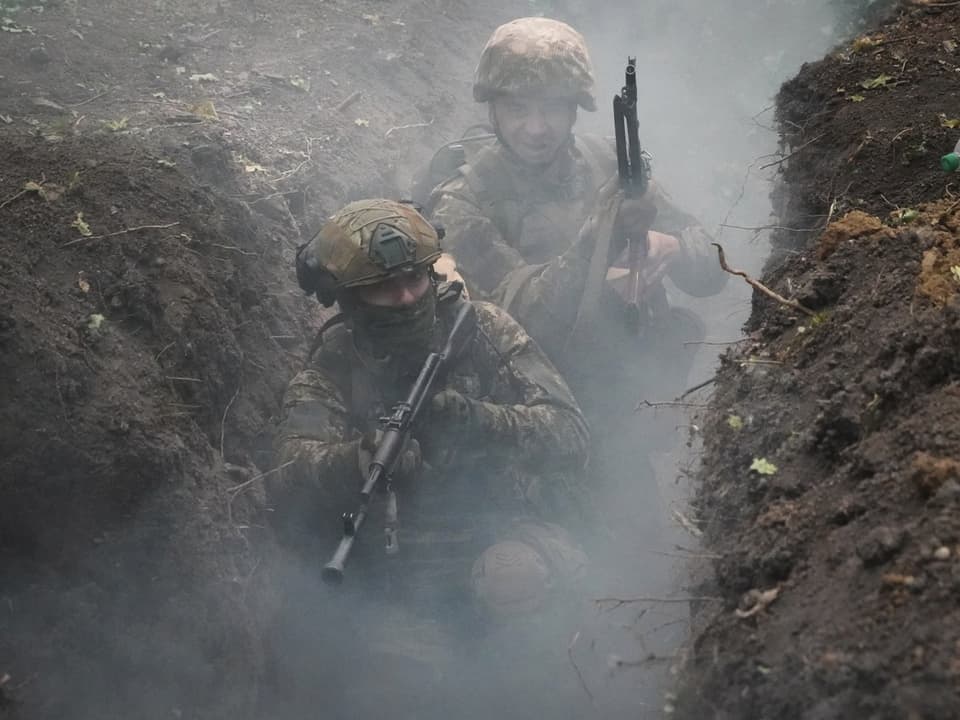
535,128
397,291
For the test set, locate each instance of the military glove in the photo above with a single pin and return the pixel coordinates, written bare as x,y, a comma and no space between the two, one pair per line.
408,464
448,407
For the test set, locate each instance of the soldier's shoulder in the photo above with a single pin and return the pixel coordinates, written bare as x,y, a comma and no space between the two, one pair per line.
596,150
333,351
499,326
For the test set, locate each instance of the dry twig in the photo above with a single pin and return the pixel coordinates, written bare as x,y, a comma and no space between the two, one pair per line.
704,342
615,602
787,157
699,386
223,420
407,127
671,403
120,232
350,100
576,668
650,658
688,555
757,285
686,523
88,100
237,489
13,197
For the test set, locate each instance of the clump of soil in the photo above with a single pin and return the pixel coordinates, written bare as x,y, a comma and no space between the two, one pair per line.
830,487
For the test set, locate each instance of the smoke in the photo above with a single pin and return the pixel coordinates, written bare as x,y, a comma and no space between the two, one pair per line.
708,72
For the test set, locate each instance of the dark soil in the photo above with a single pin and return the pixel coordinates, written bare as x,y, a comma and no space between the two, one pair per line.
839,566
149,320
865,128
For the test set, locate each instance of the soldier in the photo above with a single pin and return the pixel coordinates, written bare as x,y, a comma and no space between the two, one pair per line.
497,458
525,211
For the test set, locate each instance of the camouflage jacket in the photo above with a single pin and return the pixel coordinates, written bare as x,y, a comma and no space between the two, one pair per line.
523,457
503,220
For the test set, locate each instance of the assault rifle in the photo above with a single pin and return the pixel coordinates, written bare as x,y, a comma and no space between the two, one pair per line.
634,172
396,430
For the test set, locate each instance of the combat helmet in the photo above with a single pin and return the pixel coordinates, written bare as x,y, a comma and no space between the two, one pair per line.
535,54
365,243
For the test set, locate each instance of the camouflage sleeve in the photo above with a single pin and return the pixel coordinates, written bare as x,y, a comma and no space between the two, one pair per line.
697,273
533,420
482,255
317,458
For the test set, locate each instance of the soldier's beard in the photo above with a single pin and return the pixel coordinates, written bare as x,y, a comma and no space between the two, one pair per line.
404,335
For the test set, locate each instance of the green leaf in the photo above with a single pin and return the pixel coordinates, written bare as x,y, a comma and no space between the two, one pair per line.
735,422
880,81
95,321
763,466
81,225
951,123
116,125
857,98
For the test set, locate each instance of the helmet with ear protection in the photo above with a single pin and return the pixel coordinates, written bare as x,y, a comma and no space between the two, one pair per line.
365,243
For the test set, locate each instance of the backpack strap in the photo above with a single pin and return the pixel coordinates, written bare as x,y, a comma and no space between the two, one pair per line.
516,281
600,156
337,319
494,192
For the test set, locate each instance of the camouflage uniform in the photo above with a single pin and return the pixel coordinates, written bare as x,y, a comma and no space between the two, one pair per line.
505,473
514,230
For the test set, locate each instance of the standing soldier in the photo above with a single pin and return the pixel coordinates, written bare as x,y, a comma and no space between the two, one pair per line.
494,466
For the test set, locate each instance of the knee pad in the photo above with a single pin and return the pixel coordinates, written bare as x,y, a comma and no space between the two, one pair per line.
510,579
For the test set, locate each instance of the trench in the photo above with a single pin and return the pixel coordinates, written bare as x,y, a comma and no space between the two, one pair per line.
135,560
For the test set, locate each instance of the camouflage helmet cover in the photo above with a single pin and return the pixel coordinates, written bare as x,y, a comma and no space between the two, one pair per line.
370,240
533,55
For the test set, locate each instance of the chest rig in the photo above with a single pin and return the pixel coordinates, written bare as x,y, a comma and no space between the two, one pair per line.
535,217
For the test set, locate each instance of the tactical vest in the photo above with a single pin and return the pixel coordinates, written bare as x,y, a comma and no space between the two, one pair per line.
538,220
445,519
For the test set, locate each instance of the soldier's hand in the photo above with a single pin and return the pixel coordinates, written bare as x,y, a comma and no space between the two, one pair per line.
408,465
662,251
450,409
635,216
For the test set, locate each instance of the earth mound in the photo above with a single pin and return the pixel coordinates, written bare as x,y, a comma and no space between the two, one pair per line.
829,490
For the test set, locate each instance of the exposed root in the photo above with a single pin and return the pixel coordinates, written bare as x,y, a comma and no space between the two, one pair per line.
757,285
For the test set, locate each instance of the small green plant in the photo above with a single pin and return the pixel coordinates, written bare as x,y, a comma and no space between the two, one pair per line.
762,466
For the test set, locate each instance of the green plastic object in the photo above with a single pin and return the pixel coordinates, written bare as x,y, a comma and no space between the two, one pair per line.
950,162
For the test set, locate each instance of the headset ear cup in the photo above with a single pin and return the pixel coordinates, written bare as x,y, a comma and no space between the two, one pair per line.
315,280
326,288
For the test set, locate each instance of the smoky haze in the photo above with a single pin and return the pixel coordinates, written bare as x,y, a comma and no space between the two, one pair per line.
707,73
708,70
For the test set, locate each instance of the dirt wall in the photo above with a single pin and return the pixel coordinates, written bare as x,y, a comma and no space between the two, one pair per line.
829,482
